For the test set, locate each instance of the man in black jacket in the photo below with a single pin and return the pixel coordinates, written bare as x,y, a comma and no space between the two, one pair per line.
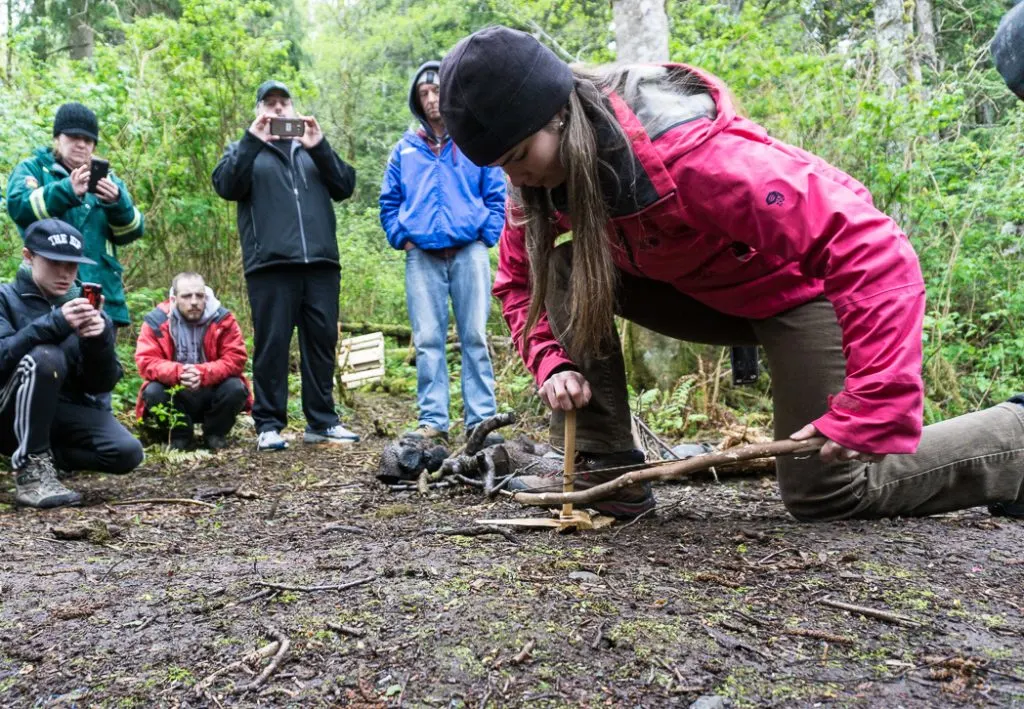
55,348
284,188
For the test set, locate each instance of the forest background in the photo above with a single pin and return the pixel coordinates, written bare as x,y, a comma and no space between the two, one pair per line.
902,95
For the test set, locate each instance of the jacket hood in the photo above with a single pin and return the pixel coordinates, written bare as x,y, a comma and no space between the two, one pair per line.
650,101
414,101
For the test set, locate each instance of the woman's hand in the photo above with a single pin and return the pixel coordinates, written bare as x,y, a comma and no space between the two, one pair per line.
564,391
832,452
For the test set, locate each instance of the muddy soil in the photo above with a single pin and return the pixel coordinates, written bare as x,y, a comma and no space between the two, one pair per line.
721,594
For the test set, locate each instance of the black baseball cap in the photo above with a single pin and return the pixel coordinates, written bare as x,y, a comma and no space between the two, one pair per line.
57,241
272,85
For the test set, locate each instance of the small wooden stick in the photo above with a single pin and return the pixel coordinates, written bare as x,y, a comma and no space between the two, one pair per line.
871,612
312,589
164,501
671,471
570,461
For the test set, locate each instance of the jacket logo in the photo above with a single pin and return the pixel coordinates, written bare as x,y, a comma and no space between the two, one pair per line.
774,198
31,182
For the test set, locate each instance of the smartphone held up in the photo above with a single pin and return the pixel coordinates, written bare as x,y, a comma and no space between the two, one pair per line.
93,292
98,169
287,127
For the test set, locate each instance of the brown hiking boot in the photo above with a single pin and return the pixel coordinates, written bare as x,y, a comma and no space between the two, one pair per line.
36,484
428,432
594,469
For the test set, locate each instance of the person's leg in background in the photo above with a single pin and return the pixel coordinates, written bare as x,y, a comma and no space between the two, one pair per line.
220,410
275,298
426,298
318,342
90,438
28,403
470,283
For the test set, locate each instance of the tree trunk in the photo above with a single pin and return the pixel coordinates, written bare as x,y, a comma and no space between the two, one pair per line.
890,38
38,15
736,6
926,34
641,35
641,30
80,33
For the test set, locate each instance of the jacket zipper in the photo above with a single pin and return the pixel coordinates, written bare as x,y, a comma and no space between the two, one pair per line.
298,205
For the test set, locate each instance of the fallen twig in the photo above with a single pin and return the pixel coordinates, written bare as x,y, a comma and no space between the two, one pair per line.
524,654
311,589
671,471
164,501
274,663
471,532
349,528
346,630
819,635
262,653
887,616
598,637
776,553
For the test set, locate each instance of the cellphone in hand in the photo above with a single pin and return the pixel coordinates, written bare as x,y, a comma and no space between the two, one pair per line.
287,127
98,169
93,292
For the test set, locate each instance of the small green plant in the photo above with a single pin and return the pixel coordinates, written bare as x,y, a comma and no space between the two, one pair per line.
169,416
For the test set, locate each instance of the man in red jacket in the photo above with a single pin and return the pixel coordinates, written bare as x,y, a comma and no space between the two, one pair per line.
191,355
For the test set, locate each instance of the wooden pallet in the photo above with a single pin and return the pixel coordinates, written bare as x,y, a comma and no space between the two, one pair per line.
361,360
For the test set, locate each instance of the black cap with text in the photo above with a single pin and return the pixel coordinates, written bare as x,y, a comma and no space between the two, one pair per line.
57,241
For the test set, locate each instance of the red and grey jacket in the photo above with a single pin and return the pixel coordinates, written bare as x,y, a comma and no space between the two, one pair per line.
752,227
223,346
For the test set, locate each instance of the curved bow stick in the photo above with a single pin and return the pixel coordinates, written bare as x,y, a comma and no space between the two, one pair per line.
672,471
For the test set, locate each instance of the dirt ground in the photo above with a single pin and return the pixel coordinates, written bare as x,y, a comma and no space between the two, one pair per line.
720,594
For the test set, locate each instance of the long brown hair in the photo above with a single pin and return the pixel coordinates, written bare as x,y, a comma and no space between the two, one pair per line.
594,277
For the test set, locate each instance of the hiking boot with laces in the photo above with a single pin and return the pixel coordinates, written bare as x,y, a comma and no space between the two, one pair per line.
428,432
336,434
36,484
594,469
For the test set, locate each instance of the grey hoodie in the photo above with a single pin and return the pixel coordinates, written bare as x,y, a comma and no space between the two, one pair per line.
414,101
188,336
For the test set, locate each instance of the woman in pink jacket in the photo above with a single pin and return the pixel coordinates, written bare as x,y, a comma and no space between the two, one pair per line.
690,220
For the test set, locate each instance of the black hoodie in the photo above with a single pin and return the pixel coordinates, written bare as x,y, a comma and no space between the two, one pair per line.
285,215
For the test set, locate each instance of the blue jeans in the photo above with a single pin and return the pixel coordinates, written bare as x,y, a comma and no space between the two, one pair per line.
430,278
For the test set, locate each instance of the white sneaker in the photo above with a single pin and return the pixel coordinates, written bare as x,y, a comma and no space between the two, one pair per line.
270,441
336,434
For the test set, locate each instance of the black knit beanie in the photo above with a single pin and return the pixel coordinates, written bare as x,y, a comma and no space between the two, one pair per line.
1008,49
499,86
76,119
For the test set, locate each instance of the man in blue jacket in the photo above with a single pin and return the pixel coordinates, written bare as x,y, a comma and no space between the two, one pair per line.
445,212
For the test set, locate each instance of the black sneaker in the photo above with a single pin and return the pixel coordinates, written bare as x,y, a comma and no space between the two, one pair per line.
180,443
215,442
1007,509
36,484
594,469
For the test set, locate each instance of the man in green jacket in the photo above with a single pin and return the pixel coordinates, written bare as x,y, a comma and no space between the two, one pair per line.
54,183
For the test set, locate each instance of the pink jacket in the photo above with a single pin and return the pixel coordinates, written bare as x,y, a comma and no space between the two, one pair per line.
752,227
